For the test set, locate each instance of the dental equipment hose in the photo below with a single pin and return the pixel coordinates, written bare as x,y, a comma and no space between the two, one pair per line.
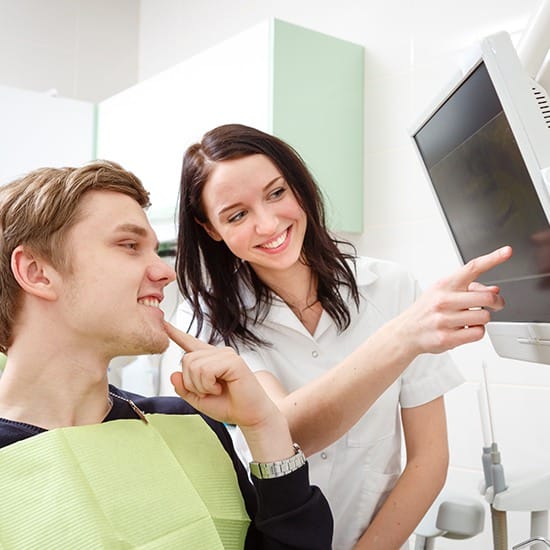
493,470
500,529
498,517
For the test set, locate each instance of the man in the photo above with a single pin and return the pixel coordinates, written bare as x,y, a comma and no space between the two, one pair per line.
84,464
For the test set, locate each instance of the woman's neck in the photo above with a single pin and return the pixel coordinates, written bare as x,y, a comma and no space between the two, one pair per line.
298,289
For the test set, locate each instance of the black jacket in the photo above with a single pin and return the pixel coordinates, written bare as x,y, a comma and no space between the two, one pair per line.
286,512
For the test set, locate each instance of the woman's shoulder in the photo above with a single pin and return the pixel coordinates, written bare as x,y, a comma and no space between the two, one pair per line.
368,270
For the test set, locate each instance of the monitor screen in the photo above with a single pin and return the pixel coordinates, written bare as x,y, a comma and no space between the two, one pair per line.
485,147
487,195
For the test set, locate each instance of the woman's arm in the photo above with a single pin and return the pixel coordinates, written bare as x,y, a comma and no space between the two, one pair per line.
453,312
422,479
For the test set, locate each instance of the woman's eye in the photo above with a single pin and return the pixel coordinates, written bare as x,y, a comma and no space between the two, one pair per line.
277,192
236,217
131,245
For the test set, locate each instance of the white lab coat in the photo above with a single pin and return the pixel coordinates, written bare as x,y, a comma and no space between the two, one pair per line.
357,472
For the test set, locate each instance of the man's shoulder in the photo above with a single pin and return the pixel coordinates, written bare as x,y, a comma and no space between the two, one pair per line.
161,404
12,432
167,404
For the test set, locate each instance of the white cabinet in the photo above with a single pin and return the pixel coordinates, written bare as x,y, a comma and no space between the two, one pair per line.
301,85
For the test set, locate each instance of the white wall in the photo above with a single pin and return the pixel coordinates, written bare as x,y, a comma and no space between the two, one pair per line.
39,130
84,49
412,49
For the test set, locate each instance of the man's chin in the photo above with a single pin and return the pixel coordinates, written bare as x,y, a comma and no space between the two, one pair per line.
159,345
155,344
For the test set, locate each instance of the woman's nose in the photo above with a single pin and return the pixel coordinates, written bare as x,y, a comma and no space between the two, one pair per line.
266,223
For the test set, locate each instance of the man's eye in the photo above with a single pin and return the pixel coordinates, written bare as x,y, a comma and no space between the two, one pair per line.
131,246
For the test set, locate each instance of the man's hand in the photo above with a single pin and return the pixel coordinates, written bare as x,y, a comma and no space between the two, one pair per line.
218,382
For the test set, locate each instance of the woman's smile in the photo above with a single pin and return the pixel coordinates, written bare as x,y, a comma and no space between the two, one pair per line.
278,243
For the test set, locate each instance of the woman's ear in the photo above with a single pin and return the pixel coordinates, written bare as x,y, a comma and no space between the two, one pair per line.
212,233
34,275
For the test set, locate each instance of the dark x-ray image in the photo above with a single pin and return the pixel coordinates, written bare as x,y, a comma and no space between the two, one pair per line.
487,195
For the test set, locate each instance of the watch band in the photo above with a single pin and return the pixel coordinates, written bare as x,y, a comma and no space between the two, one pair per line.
279,468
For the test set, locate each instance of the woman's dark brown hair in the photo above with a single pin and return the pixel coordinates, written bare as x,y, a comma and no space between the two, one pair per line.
211,278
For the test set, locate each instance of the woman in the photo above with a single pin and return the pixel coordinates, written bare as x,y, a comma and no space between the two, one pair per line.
326,332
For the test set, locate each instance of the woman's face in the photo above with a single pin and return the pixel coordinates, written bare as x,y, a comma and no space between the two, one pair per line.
251,207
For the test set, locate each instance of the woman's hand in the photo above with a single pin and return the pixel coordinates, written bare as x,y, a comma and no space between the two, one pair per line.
455,310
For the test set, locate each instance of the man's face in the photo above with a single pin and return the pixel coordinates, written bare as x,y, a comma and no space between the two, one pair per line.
110,296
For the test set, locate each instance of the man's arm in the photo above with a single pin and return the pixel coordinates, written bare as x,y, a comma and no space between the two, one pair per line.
453,312
216,381
422,479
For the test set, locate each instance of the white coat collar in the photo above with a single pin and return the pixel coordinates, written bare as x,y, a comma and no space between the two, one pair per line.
364,275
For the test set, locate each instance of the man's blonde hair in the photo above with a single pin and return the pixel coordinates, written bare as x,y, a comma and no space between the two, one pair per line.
38,209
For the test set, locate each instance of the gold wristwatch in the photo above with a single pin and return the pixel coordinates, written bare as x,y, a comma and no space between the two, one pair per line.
279,468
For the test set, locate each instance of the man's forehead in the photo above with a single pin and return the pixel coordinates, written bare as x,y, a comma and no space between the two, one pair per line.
114,212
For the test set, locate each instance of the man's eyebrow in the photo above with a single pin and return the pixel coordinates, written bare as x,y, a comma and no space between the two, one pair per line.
131,228
138,230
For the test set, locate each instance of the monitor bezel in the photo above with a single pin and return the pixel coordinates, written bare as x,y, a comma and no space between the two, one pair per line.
528,341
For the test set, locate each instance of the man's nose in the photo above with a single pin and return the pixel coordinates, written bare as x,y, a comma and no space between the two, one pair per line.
160,271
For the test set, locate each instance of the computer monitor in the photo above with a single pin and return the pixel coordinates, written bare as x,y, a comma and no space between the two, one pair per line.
486,149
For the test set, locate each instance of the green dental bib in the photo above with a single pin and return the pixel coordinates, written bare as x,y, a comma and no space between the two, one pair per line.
122,484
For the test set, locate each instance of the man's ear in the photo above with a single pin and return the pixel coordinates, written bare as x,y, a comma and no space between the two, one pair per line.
34,275
212,233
